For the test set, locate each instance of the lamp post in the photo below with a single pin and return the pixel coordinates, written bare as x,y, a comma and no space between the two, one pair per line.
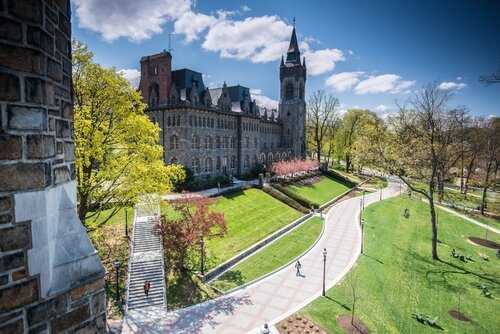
126,222
324,269
364,190
380,192
362,233
360,209
400,186
117,266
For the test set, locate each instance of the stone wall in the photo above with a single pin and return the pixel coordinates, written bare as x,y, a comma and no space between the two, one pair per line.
51,279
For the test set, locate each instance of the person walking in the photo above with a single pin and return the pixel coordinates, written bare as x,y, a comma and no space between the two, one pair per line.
146,288
298,266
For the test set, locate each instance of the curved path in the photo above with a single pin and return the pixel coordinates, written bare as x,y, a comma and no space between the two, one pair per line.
277,296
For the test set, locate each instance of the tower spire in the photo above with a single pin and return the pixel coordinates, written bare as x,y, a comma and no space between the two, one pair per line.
293,53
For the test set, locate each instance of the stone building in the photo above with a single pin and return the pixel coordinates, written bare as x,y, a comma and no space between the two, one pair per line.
51,279
222,131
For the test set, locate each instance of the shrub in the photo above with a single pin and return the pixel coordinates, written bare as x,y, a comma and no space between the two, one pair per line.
339,177
300,199
287,200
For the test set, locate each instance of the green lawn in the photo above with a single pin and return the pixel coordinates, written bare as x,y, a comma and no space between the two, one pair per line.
250,215
397,277
322,191
280,252
119,217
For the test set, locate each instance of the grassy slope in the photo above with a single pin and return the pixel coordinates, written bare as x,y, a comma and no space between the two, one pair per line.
273,256
320,192
119,217
250,216
397,276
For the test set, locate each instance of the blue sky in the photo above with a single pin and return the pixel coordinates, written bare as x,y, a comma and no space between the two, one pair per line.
366,53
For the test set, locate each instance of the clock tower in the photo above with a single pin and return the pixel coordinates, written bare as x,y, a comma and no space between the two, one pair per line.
292,99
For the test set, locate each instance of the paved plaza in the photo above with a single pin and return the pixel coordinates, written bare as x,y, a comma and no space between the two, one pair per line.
275,297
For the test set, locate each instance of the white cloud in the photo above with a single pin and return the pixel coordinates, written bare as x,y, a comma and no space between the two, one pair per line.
254,38
385,83
192,24
344,81
132,75
458,78
135,20
322,61
451,85
245,8
262,100
350,52
381,107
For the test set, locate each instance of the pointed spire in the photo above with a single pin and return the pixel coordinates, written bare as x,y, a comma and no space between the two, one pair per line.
293,53
304,63
282,61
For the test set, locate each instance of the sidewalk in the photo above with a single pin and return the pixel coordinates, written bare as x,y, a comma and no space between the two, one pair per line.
276,297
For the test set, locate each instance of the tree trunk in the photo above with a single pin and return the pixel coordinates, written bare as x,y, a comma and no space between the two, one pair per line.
469,173
434,226
440,187
347,162
352,314
483,199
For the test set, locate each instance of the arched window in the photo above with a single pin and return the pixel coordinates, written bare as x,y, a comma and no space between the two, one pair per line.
262,157
270,157
208,142
217,164
174,142
195,143
153,94
233,142
289,91
278,157
195,164
208,165
233,161
217,142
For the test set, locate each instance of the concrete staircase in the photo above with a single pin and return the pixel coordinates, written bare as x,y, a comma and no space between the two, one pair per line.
146,262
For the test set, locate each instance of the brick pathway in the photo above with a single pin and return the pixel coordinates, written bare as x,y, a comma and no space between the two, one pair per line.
275,297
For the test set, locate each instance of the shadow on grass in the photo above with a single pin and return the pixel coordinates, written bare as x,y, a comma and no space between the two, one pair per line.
345,307
371,257
232,278
445,270
185,289
235,194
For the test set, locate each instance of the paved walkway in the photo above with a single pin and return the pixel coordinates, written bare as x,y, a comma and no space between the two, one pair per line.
276,297
146,262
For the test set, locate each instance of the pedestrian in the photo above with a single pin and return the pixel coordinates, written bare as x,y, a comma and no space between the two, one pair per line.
146,288
265,329
298,266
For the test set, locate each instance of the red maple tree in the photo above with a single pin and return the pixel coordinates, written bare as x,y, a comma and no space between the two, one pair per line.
186,230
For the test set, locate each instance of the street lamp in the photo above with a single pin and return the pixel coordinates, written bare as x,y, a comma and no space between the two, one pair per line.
360,209
117,266
380,192
202,256
126,222
364,190
362,233
324,269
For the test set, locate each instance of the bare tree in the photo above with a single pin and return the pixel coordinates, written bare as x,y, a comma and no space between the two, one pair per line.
352,280
490,79
490,158
321,114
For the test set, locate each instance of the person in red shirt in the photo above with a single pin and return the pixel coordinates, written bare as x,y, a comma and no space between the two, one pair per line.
146,288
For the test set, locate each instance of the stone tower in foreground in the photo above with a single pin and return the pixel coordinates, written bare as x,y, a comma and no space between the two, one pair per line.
292,99
51,279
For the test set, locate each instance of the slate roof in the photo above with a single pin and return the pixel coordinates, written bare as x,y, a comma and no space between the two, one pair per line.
183,80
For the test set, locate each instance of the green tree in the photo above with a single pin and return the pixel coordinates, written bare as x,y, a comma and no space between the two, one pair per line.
117,155
351,126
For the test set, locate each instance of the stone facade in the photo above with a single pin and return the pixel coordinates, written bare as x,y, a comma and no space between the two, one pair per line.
222,131
51,279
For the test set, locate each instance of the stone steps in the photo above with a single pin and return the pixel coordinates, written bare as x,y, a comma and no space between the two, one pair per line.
147,265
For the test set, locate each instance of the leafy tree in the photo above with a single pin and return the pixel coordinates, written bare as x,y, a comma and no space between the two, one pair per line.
117,155
321,119
418,144
189,227
350,129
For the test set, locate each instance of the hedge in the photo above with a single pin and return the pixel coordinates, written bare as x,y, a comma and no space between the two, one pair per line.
287,200
298,198
340,177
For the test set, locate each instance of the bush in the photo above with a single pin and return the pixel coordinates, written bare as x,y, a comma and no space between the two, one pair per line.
287,200
300,199
339,177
